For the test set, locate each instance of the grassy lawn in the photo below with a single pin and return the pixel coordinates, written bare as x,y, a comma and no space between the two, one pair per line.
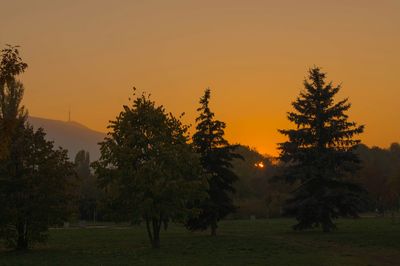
367,241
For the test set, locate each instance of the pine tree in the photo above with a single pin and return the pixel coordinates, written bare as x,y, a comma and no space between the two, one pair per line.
216,156
319,155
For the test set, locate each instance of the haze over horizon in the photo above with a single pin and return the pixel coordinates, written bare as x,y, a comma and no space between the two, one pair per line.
254,56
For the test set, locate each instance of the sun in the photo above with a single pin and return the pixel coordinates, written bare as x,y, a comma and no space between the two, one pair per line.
259,165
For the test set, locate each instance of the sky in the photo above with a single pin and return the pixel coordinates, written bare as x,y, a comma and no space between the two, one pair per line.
254,55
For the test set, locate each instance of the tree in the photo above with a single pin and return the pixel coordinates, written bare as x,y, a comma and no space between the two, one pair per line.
88,193
148,168
34,177
380,175
319,153
82,163
34,185
216,156
11,92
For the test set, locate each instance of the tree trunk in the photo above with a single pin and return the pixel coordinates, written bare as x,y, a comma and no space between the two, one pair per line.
22,241
214,229
156,240
149,231
153,231
393,216
156,233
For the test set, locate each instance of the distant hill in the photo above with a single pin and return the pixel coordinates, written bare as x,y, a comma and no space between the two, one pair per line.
70,135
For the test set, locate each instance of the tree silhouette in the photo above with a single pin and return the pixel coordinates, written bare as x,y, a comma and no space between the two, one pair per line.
89,193
319,153
380,175
34,177
148,168
216,156
11,93
35,183
82,163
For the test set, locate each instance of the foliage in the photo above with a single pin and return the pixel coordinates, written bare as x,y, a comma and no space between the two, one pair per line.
82,163
250,177
11,92
258,194
216,156
34,186
89,194
380,175
319,153
148,168
34,178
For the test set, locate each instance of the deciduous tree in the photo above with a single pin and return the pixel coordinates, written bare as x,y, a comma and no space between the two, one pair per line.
148,168
11,92
34,187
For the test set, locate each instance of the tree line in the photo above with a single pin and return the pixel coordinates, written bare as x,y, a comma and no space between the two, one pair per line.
152,171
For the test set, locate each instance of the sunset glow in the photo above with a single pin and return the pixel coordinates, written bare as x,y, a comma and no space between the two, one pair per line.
254,55
259,165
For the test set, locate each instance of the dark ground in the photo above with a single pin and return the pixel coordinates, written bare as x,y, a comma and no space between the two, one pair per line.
366,241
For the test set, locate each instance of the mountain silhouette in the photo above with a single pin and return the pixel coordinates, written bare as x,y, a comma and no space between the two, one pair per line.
70,135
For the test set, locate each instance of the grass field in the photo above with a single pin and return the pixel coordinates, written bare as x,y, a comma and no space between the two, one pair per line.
367,241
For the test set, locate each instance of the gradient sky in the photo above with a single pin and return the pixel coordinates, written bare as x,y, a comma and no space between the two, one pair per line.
253,54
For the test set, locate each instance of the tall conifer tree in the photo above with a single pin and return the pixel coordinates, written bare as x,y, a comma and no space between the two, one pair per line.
216,156
319,154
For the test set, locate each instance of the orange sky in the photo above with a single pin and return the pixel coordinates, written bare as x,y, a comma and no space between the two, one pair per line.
253,54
